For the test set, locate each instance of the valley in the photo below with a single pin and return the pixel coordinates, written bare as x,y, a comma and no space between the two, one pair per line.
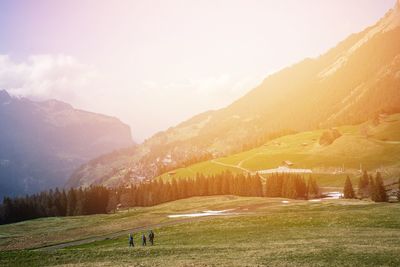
351,83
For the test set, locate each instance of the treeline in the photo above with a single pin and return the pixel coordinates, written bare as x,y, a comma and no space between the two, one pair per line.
291,186
91,200
157,191
98,199
368,187
226,183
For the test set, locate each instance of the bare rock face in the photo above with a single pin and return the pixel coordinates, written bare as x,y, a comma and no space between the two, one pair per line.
43,142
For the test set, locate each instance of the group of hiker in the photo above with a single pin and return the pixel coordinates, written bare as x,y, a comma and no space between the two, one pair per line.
144,239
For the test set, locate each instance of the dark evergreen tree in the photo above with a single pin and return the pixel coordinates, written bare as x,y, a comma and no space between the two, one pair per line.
71,202
348,190
398,191
313,190
363,189
371,188
380,192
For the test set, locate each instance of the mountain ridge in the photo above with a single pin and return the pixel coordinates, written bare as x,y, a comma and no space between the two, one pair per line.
352,82
44,141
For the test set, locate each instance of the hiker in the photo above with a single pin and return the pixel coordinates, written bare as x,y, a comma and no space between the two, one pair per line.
131,244
151,237
143,240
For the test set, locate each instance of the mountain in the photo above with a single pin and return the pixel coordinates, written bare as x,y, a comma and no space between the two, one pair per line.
43,142
351,83
373,145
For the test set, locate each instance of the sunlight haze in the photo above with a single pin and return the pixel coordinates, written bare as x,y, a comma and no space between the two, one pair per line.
153,64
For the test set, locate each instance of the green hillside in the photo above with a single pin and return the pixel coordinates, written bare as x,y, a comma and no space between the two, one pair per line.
351,83
374,146
259,232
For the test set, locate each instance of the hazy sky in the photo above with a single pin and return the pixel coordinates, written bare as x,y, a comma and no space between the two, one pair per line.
155,63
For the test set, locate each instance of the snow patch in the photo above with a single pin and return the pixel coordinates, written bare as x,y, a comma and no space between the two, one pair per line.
203,214
333,195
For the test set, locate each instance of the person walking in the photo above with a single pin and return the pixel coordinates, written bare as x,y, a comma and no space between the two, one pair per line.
143,240
131,244
151,237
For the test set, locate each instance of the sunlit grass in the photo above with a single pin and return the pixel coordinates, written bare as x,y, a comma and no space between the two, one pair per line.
331,233
352,151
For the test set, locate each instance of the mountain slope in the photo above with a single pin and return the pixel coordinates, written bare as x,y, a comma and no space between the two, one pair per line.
43,142
351,83
372,146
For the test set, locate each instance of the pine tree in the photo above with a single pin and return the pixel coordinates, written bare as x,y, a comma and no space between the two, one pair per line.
398,192
174,189
371,188
63,202
363,185
113,202
312,188
348,190
301,188
258,185
80,202
71,202
380,192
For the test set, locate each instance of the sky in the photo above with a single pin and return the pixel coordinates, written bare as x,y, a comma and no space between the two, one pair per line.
153,64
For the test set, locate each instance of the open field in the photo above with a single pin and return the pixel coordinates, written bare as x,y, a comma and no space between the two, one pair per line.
368,145
262,231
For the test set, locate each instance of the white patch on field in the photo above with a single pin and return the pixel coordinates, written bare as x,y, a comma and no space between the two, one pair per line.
203,214
329,196
333,195
285,202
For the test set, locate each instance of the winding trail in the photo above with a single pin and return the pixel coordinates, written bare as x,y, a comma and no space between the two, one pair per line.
230,165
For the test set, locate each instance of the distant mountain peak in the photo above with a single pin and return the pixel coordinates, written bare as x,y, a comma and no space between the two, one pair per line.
56,105
389,22
392,18
42,142
4,96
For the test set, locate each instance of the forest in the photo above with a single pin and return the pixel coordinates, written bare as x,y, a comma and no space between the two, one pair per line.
99,199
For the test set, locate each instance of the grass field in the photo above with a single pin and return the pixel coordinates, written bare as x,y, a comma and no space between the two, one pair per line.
263,232
369,146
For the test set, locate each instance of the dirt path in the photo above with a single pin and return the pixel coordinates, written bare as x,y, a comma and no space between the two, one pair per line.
230,165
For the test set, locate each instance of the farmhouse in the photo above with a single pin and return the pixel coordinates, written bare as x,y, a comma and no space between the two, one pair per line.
287,163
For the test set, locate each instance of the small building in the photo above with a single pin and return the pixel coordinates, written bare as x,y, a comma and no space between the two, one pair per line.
287,163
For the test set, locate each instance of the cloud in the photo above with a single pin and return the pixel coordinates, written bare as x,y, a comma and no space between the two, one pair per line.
147,105
45,76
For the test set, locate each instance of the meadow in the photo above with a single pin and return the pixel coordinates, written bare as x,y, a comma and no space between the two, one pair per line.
259,232
369,146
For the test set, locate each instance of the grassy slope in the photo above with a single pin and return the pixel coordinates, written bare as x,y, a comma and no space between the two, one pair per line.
380,149
329,233
46,231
